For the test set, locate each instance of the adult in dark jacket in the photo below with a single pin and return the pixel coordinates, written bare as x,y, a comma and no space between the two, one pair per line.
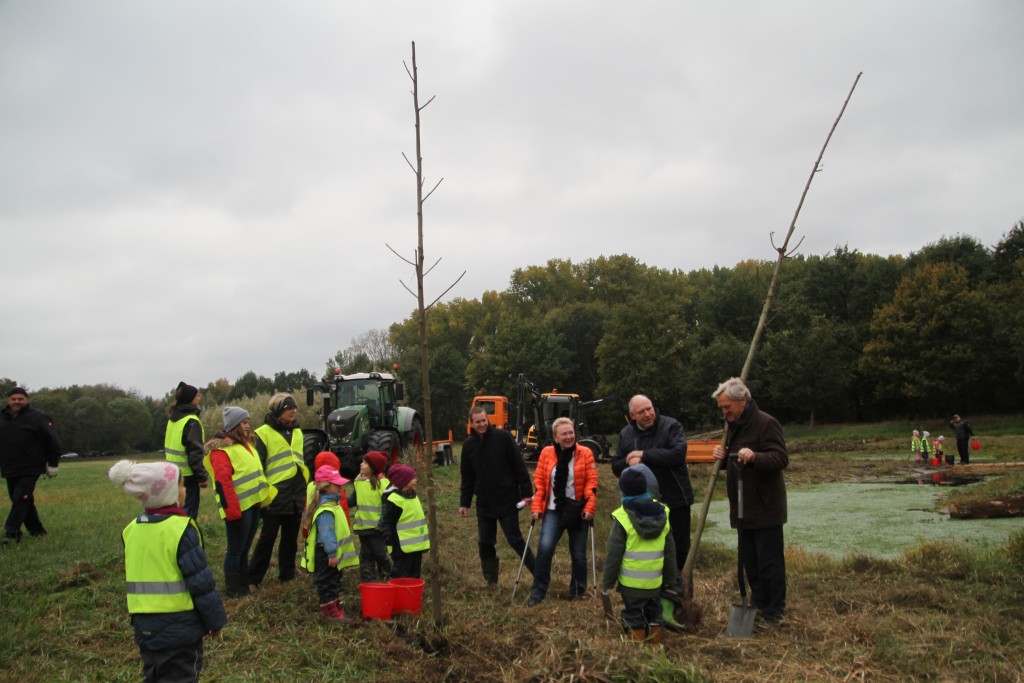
28,449
279,444
494,471
756,438
659,442
963,431
163,547
183,444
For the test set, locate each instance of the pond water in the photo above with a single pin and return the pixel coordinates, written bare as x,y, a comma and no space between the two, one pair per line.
876,519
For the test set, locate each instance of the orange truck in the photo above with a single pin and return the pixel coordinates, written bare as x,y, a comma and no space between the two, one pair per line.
497,412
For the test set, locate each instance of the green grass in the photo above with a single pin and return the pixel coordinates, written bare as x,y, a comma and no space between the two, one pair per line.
937,612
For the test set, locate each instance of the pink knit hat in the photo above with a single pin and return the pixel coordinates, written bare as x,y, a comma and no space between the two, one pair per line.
155,484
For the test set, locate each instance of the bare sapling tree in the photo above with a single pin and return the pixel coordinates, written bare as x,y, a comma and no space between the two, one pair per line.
423,460
692,612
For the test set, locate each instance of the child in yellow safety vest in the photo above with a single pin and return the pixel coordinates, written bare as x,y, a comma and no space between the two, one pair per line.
172,595
331,460
403,524
640,558
366,502
330,546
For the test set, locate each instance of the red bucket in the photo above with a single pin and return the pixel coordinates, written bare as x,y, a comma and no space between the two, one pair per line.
408,595
934,462
378,600
976,445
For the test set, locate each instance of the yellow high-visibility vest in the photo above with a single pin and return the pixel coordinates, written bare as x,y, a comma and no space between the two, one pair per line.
283,458
368,503
413,535
346,552
250,484
174,450
155,582
644,560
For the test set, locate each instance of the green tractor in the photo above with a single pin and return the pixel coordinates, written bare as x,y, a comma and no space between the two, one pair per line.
360,413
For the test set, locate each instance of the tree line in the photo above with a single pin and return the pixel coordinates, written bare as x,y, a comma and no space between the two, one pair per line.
852,337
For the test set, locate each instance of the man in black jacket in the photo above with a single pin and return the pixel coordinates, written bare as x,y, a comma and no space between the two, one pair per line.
659,442
28,450
494,471
756,438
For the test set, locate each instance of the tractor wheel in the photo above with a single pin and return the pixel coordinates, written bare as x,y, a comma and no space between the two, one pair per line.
386,442
413,446
595,448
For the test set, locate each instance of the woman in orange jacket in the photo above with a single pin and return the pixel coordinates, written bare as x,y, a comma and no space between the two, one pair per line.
566,499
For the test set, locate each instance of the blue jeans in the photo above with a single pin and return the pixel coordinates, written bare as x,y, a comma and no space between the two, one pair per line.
550,533
240,534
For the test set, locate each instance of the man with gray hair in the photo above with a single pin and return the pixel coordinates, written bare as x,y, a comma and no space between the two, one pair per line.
756,439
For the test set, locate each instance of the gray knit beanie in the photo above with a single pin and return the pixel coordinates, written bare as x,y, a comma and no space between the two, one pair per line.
233,416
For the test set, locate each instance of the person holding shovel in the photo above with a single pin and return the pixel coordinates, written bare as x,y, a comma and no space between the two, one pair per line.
756,438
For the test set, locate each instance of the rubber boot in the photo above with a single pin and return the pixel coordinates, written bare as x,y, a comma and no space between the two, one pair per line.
638,634
489,566
655,637
333,612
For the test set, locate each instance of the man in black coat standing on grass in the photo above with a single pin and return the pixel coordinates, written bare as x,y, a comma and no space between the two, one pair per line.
28,449
659,442
493,470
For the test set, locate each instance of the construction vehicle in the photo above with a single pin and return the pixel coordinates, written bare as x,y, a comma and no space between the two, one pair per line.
360,413
536,411
497,412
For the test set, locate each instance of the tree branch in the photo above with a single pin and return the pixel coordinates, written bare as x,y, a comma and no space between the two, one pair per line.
447,290
399,256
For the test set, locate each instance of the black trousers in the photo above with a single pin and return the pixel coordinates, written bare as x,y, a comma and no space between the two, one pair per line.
679,520
487,534
23,507
764,561
288,525
964,451
641,612
191,505
173,665
326,579
405,565
374,561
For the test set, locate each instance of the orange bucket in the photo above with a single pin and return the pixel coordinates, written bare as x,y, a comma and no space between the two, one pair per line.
408,595
378,600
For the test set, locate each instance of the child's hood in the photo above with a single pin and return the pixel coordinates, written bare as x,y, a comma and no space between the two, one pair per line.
647,516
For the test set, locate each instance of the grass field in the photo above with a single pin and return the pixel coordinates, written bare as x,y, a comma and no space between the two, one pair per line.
936,613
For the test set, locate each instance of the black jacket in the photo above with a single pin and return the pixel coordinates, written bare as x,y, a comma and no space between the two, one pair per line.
764,488
178,629
28,443
494,471
664,447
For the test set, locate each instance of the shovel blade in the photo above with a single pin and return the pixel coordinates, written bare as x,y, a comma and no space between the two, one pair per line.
741,621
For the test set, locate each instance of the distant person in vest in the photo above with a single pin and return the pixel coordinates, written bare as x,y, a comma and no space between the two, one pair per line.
28,450
242,489
183,444
756,438
279,444
640,557
172,595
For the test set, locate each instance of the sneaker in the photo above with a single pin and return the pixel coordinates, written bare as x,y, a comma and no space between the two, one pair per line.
38,534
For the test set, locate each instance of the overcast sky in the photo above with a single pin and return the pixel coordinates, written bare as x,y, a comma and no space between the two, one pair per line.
195,189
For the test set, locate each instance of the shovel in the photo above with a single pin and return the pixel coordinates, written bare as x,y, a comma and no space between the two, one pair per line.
522,560
741,619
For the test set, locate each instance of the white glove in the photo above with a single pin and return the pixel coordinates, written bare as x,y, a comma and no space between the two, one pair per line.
51,472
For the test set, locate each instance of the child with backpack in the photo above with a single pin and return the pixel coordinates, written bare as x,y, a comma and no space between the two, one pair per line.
330,546
172,595
403,524
640,558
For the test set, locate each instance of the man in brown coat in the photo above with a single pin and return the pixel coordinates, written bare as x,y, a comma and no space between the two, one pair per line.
756,438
